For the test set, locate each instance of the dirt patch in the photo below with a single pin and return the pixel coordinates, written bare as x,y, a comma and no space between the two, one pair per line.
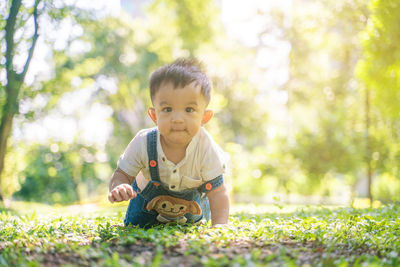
182,255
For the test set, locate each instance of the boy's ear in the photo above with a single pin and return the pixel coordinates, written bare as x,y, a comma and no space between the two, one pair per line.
207,116
152,114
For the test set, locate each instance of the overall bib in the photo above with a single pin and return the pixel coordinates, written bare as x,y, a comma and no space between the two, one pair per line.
155,200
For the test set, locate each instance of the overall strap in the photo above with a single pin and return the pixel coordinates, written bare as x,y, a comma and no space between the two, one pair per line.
153,155
211,185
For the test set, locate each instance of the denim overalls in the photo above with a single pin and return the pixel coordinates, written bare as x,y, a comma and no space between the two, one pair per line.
137,214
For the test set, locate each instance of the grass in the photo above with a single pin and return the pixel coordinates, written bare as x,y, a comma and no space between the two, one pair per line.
256,236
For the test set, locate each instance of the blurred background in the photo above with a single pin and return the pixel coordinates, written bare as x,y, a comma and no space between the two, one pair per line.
306,93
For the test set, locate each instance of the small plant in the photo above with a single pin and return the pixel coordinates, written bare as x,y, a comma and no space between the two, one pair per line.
277,200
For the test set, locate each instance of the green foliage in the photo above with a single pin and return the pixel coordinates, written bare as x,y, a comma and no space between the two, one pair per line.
328,138
380,68
194,20
59,174
308,236
328,150
386,193
237,120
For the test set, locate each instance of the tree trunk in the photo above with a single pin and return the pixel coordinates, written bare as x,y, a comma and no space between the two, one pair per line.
9,110
14,80
368,146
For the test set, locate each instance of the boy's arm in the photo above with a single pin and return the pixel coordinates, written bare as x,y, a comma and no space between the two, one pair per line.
120,187
219,205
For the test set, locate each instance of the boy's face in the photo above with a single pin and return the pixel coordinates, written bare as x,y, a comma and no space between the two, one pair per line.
179,113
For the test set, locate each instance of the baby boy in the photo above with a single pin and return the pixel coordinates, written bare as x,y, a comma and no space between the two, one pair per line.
174,171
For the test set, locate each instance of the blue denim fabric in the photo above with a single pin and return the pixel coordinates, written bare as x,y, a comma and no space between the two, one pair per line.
138,215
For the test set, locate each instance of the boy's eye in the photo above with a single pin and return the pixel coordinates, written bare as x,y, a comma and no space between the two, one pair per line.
167,109
189,110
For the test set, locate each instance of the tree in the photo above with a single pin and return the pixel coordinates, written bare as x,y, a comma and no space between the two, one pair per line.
379,71
322,87
15,79
21,31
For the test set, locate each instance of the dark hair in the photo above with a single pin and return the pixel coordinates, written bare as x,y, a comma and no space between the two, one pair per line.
181,72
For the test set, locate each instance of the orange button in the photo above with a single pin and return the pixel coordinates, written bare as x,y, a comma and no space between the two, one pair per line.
208,186
153,163
156,184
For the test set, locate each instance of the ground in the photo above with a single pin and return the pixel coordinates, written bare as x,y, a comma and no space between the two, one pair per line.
256,236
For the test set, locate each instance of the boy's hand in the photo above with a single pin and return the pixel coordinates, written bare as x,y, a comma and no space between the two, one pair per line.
121,192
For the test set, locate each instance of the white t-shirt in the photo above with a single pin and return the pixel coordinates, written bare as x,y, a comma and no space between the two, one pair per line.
204,161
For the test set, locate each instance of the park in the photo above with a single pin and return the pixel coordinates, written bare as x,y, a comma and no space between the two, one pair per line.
304,110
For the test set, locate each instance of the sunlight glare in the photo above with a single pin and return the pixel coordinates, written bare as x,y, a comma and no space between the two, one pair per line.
95,125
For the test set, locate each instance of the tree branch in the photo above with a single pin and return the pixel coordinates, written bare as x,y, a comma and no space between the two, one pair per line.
10,30
33,44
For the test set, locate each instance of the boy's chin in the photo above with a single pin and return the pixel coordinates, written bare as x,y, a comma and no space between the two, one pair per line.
179,139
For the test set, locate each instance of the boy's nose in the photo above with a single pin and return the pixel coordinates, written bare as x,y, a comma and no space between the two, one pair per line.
177,117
